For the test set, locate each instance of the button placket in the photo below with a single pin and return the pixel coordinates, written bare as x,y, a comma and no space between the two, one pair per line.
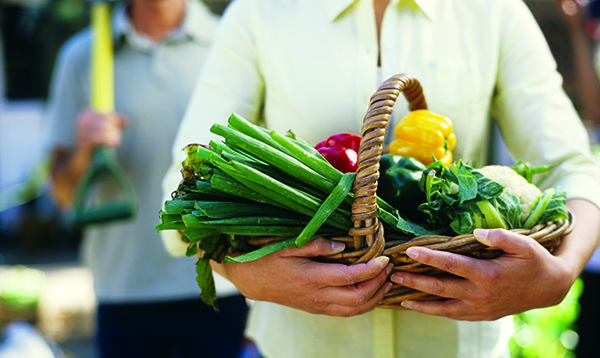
367,58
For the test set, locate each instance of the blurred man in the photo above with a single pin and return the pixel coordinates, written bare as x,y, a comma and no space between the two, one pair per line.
148,300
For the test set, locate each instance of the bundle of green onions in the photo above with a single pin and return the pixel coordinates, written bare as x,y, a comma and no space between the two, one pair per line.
258,183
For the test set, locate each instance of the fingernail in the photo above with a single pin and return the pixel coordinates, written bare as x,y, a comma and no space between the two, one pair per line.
482,236
398,279
388,269
337,246
388,287
412,253
383,260
406,304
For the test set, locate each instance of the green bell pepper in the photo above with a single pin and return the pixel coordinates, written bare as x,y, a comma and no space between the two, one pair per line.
398,185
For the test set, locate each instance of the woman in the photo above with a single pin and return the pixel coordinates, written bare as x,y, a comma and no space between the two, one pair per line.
311,66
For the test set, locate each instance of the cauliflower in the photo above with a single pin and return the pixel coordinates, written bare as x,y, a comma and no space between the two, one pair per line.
514,184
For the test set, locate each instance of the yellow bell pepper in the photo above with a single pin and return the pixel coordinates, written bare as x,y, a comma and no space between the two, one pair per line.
424,135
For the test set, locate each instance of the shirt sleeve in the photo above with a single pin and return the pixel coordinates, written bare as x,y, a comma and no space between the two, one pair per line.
536,118
68,94
231,82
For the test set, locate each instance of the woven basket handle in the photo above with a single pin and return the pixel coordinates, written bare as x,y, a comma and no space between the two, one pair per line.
367,230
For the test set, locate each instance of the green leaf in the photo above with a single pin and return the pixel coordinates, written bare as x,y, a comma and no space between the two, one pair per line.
170,226
556,209
178,206
486,188
396,220
263,251
465,222
510,208
329,205
538,210
228,209
467,183
206,282
196,235
492,216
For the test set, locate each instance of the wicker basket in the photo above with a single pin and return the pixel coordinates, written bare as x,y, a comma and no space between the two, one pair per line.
367,239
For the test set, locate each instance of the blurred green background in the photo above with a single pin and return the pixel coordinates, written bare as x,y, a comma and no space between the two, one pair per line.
548,332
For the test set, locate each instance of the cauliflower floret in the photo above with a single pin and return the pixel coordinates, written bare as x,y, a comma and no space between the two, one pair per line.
514,184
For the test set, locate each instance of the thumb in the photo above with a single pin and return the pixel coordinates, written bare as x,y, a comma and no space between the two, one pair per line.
314,248
505,240
122,120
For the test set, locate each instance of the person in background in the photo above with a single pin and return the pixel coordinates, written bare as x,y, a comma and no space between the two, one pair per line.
581,27
578,19
311,66
149,303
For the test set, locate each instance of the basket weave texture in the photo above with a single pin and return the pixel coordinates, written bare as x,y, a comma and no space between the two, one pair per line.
367,239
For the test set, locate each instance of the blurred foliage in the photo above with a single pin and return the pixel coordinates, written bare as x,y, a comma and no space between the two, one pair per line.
548,332
21,287
32,33
596,151
20,292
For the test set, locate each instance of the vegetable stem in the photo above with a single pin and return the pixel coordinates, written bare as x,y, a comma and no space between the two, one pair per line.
326,209
492,217
279,159
539,209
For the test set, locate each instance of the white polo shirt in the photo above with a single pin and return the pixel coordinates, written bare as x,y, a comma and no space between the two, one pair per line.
153,83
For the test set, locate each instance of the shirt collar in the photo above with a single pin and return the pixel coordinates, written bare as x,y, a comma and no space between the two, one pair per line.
192,26
336,8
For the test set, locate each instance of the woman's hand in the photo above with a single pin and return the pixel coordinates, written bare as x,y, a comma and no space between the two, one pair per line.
525,277
292,277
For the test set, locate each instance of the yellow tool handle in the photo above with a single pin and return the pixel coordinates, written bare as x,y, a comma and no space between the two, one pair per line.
102,97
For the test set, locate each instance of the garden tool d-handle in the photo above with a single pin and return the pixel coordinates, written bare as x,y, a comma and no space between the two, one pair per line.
104,163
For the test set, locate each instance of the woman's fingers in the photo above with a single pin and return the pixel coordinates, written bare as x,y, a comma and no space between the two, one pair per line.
336,274
347,308
487,289
507,241
314,248
293,277
358,291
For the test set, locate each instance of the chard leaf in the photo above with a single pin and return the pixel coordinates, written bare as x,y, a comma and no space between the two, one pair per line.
493,218
215,247
408,227
556,209
486,188
206,282
538,210
192,250
464,222
510,208
467,183
449,199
